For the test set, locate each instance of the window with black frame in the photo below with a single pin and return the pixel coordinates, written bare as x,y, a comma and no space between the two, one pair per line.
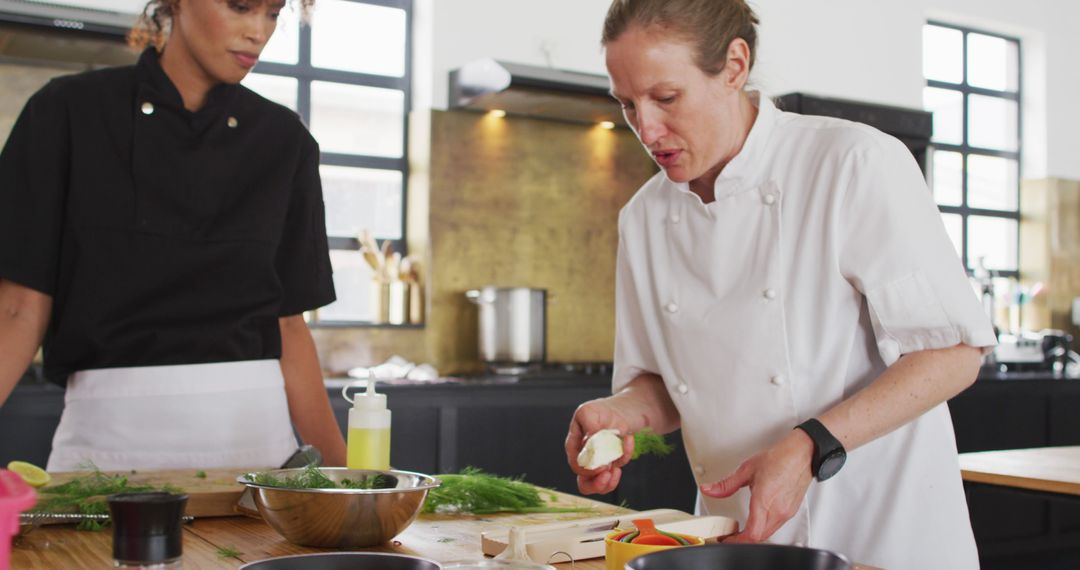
973,82
347,72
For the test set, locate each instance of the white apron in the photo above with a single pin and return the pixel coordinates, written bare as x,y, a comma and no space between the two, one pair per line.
230,414
821,261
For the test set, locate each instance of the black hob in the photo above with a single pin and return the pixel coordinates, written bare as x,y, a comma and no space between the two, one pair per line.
548,369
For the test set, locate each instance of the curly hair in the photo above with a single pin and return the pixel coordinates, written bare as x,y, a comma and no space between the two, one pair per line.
154,24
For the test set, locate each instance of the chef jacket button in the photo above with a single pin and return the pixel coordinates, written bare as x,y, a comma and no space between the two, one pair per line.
699,470
147,108
778,380
232,122
682,388
769,199
675,218
890,350
671,308
769,294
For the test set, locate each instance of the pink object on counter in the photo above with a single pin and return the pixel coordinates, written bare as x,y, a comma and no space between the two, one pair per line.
15,497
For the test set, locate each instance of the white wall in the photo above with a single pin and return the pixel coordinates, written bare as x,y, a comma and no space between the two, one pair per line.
858,49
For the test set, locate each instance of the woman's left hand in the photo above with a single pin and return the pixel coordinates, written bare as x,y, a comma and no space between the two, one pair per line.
778,479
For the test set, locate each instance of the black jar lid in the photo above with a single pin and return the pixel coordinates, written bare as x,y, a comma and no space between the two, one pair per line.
147,527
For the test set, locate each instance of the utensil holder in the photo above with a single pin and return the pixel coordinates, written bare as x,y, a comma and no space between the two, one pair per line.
397,298
380,301
416,303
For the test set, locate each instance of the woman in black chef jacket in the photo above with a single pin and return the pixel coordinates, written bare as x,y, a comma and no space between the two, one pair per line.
161,232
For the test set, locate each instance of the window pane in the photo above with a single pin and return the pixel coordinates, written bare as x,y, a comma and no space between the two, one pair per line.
993,238
362,198
993,63
283,46
281,90
353,119
992,123
992,182
948,109
353,284
954,226
358,37
948,177
943,54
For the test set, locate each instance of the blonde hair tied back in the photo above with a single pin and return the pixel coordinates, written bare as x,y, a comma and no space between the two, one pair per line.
710,25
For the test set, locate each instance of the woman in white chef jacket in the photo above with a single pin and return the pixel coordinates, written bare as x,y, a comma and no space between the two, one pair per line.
161,234
787,296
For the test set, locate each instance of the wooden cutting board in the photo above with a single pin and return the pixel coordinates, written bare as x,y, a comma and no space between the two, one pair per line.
214,495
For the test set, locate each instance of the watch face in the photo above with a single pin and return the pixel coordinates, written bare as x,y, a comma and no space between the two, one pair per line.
831,464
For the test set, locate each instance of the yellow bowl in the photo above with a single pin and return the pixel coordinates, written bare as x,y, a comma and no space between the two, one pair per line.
617,554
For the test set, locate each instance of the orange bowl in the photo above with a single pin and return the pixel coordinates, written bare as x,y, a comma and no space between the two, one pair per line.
617,554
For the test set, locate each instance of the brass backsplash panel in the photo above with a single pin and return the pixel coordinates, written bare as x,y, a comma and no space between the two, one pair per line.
514,202
1050,251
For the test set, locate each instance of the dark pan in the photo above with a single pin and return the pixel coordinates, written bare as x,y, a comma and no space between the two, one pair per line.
344,561
741,557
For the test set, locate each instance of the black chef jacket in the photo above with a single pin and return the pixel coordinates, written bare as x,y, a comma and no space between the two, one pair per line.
164,236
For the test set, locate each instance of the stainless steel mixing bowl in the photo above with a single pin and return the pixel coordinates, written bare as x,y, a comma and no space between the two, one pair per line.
330,518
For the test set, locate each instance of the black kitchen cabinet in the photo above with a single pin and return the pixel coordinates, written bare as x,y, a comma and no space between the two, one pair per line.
1014,528
516,429
28,421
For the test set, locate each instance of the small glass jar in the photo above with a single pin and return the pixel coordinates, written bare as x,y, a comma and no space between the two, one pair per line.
147,530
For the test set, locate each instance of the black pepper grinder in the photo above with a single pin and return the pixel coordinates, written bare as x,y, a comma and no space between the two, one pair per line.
147,529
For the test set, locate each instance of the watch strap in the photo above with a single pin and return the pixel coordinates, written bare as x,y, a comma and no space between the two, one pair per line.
825,444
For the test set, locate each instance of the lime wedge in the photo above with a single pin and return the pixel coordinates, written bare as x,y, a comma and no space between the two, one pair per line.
32,474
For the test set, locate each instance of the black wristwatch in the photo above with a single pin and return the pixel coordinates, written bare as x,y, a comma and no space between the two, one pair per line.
829,454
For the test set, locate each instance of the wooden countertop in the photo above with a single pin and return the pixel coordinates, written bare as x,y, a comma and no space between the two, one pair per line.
1049,469
443,538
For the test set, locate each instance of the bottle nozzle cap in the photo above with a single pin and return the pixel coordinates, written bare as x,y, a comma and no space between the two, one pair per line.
371,400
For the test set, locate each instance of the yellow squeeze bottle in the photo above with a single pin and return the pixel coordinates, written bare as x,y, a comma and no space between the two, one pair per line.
369,431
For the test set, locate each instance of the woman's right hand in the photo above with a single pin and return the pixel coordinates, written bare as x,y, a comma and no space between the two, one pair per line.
590,418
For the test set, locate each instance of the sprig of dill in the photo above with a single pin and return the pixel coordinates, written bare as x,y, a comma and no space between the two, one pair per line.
313,478
648,442
473,491
86,495
228,552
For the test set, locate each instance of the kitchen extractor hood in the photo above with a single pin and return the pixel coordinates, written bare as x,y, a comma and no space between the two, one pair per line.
541,92
109,18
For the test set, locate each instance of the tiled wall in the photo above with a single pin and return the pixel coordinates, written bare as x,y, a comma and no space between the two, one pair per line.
509,202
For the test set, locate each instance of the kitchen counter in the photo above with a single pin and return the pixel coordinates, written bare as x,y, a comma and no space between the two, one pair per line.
443,538
987,374
34,379
1044,469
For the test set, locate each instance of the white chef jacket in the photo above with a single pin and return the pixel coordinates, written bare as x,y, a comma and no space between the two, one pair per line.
822,260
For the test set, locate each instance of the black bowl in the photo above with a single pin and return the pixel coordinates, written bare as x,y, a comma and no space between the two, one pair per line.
741,557
344,561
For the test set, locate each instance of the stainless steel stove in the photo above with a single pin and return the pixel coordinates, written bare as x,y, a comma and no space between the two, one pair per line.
551,370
